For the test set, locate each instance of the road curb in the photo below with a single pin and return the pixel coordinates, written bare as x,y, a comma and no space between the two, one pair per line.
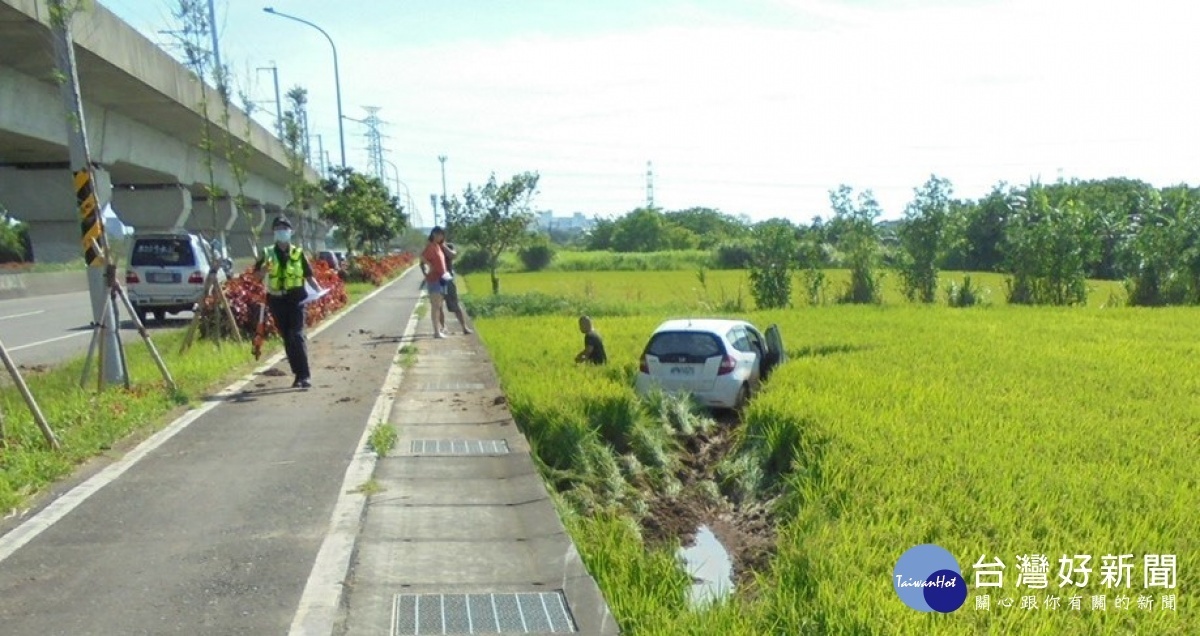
321,599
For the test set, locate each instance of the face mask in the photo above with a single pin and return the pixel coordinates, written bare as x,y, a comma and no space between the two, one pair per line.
283,236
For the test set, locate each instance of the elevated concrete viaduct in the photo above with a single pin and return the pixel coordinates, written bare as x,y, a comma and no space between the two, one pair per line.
145,127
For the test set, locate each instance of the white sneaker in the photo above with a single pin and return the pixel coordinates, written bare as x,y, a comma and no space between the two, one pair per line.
439,335
467,331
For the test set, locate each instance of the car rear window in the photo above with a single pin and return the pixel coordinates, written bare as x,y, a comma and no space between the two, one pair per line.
689,343
162,252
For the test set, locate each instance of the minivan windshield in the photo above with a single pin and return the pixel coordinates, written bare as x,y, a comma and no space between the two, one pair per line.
162,252
685,343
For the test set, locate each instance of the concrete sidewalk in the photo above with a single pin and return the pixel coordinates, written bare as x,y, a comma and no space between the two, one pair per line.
461,536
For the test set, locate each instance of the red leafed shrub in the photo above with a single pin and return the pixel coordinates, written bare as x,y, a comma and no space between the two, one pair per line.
246,294
327,278
377,270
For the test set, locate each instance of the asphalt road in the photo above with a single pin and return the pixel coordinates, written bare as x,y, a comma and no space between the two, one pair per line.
49,330
215,531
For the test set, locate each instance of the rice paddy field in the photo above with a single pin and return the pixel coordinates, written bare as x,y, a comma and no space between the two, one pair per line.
993,432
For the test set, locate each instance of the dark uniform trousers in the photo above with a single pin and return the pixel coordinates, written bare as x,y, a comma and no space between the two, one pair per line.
289,317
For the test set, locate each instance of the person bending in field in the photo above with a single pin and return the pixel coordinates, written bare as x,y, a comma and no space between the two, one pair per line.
593,344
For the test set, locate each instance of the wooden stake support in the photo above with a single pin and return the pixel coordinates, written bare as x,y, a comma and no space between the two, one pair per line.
38,417
116,294
220,302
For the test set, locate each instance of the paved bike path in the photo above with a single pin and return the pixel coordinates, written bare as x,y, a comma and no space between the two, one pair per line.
215,531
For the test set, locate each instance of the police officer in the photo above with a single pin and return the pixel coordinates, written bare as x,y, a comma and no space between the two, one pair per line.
284,269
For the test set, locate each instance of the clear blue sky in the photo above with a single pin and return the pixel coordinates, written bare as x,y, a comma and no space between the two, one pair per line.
755,107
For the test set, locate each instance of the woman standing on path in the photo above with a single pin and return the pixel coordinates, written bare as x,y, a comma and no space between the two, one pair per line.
433,263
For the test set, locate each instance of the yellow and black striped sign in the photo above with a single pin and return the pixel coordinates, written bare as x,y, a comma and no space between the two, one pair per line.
89,216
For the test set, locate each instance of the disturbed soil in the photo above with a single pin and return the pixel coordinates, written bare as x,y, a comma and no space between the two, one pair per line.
746,530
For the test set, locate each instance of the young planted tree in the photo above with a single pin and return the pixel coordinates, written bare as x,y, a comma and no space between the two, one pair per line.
922,239
859,242
192,36
494,218
303,193
773,255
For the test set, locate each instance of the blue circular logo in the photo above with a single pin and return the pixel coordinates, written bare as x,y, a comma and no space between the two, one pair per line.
927,578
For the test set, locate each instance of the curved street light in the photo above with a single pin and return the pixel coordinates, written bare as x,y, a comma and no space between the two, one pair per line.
337,81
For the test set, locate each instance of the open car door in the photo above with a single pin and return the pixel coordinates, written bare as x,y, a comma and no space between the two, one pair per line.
775,352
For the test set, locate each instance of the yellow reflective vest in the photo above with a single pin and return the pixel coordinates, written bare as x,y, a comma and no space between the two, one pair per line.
284,276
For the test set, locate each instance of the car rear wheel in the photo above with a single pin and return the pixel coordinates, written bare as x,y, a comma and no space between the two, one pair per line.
743,397
141,316
160,315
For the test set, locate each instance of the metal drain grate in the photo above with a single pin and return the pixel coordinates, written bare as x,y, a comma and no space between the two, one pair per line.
459,447
451,386
520,613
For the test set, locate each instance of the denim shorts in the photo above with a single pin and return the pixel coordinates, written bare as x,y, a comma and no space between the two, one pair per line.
436,288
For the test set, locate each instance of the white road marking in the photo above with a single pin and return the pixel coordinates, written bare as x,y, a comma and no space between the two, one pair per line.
62,506
49,340
28,313
322,597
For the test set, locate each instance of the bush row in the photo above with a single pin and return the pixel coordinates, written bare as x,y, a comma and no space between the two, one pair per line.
246,293
377,270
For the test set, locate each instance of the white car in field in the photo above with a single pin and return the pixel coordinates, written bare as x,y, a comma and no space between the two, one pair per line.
719,362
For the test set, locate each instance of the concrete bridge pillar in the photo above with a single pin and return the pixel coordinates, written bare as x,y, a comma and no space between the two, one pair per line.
248,230
212,218
44,198
153,207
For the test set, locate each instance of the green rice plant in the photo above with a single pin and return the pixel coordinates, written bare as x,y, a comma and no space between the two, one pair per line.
1004,432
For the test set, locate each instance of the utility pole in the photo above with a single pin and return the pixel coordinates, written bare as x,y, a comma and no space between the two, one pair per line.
278,102
321,156
442,158
222,83
649,186
304,131
90,217
433,202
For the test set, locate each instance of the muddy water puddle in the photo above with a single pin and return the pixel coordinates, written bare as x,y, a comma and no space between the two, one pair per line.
710,566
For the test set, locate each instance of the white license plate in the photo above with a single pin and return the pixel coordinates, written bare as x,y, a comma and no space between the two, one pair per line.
683,371
160,277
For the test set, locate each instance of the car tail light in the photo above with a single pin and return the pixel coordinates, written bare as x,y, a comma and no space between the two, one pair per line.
645,367
197,278
728,364
131,277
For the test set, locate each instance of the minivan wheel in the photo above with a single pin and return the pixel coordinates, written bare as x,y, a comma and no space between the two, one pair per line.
160,315
141,316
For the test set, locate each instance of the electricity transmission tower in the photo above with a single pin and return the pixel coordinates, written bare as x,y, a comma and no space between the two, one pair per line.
374,141
649,185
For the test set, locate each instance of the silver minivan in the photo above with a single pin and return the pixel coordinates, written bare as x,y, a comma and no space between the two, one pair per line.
166,273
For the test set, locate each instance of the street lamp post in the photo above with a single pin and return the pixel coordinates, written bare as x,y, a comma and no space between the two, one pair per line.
401,184
337,80
442,158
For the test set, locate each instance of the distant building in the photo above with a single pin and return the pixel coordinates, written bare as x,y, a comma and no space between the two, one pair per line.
545,221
